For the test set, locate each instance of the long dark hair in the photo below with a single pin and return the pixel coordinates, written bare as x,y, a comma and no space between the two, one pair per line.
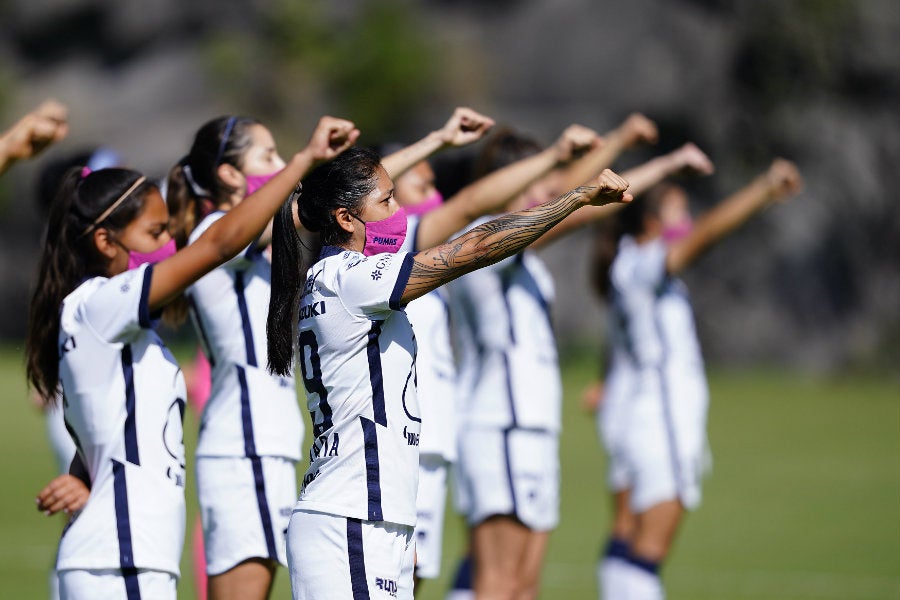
194,187
69,256
631,220
340,183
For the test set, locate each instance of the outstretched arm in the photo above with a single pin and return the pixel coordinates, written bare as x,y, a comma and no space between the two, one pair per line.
491,193
243,223
636,129
43,126
780,182
464,127
495,240
686,158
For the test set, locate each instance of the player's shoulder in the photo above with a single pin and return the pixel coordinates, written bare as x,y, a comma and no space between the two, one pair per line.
204,224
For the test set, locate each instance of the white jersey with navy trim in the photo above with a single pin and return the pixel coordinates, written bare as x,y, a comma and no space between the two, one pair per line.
357,351
429,316
123,396
250,412
652,320
653,417
506,348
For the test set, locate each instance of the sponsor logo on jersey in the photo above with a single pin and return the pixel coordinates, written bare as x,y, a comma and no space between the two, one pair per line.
412,438
386,585
312,310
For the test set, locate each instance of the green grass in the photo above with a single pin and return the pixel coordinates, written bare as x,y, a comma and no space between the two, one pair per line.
803,502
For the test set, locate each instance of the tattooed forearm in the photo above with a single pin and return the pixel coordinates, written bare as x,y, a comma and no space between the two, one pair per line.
488,243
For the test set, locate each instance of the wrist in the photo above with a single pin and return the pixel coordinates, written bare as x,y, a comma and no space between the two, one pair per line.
436,140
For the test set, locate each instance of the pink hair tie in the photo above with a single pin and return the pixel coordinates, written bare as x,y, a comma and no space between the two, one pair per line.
85,172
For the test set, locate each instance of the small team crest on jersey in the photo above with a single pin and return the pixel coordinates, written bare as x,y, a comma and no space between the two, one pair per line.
389,586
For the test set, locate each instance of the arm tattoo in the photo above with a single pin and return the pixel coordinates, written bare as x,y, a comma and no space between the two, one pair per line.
488,243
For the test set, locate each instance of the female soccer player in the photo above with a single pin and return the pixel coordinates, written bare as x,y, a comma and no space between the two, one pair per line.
415,191
356,511
90,335
653,416
251,429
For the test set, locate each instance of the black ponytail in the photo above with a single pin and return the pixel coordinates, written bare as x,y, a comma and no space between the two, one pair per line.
287,283
69,256
340,183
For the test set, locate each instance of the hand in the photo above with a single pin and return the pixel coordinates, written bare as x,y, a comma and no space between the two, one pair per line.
783,179
464,127
692,159
608,188
592,397
331,137
65,493
43,126
637,129
575,140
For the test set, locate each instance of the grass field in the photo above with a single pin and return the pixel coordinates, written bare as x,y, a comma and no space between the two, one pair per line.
803,502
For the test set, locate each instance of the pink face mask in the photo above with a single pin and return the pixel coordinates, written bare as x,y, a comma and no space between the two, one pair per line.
136,259
426,206
254,182
678,231
386,235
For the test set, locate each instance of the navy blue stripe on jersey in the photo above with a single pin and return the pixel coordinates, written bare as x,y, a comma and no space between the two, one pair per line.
130,432
123,531
507,454
400,285
312,380
506,283
328,251
666,400
376,378
245,318
201,330
356,557
265,516
246,415
532,286
373,469
509,390
144,304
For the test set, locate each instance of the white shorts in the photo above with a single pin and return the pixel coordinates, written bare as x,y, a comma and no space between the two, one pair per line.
111,584
513,472
430,503
245,507
656,442
334,558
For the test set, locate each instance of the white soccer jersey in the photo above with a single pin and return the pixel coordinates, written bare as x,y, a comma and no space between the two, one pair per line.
653,417
429,316
652,320
357,351
506,349
123,395
250,412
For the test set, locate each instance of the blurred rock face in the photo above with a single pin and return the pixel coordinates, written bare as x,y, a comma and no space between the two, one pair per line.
814,283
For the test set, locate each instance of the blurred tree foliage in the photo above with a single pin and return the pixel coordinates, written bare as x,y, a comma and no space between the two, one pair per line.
373,63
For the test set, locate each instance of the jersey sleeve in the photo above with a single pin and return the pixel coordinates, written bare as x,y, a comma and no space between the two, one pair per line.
119,309
374,285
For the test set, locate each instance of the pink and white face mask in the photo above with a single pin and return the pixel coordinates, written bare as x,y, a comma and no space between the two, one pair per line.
136,259
254,182
386,235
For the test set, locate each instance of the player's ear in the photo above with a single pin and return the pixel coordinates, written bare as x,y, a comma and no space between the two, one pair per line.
344,219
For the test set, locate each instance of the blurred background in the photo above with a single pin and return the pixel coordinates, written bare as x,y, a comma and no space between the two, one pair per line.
815,284
811,288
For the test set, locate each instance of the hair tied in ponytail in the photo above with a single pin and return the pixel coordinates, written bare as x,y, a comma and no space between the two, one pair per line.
86,171
196,189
